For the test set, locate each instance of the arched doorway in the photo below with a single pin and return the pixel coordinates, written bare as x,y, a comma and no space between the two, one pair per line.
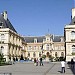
39,54
21,57
47,54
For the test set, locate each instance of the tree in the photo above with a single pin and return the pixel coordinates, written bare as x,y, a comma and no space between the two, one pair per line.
1,58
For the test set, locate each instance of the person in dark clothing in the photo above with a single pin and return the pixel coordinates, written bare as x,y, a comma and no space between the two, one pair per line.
34,61
41,63
72,63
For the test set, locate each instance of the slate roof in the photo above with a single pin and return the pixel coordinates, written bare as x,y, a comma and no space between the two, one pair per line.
30,39
6,23
57,38
72,21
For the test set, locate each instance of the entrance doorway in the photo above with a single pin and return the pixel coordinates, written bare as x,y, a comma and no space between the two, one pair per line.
21,57
47,54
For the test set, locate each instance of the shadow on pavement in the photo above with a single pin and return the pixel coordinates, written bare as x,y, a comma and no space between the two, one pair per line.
60,71
72,68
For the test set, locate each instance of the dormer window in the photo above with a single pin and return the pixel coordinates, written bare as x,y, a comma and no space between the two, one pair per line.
1,24
62,40
72,35
35,40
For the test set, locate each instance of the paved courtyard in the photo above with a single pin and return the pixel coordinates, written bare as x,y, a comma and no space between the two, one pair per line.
28,68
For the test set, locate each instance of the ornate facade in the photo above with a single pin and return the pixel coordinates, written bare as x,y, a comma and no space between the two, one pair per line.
45,45
16,47
12,45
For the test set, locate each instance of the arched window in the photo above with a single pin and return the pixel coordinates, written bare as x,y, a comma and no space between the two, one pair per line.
28,54
34,54
73,48
55,54
62,54
73,35
47,47
39,54
34,47
47,54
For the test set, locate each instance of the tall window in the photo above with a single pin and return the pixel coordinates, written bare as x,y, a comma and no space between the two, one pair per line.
73,35
39,54
34,54
29,47
34,47
2,36
40,47
28,54
73,48
56,47
35,40
47,47
1,24
62,54
56,54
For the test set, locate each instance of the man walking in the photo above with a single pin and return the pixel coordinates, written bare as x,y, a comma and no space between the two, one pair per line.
62,66
72,64
41,63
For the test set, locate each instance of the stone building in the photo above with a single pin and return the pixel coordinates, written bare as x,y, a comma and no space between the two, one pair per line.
16,47
45,45
12,45
69,34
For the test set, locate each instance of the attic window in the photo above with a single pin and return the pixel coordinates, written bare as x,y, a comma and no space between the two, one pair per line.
1,24
35,40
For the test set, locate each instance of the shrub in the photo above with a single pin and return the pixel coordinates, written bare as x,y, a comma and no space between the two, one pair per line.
61,58
73,53
56,59
44,56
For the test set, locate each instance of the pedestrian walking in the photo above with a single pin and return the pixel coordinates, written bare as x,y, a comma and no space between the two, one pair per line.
72,63
62,66
41,62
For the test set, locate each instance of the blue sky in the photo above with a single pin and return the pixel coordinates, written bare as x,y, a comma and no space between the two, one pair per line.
36,17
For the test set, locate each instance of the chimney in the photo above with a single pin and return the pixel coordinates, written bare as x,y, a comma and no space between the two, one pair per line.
5,15
73,13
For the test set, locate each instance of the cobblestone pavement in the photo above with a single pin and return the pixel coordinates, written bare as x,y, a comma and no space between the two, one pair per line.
30,69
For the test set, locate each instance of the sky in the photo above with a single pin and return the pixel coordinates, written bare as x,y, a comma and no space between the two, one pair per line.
38,17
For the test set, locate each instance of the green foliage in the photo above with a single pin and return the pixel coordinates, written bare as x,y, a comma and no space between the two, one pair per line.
73,53
56,58
61,58
1,57
2,60
51,58
44,56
